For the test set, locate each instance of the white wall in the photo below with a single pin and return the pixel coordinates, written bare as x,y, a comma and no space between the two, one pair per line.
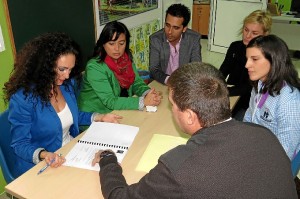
226,21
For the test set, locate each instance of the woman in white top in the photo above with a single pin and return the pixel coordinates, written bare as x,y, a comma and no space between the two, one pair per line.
41,92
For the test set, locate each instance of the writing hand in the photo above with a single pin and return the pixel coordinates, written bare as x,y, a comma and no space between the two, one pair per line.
54,160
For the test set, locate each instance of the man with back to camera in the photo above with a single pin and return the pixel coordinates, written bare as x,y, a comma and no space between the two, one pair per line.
174,45
224,158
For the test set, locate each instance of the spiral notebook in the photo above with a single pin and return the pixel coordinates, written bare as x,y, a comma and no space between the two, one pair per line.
101,136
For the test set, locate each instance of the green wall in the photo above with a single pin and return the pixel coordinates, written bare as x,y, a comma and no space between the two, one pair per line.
6,56
6,65
286,3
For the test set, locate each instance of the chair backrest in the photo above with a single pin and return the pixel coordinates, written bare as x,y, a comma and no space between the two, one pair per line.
296,164
6,152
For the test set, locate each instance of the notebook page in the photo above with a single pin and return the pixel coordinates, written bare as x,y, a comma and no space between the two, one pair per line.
101,136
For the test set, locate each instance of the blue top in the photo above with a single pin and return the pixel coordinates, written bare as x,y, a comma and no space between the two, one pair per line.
36,126
280,114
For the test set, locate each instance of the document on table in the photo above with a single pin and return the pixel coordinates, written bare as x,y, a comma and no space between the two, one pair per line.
159,144
101,136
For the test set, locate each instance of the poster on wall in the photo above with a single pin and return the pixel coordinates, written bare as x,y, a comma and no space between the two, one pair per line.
111,10
139,45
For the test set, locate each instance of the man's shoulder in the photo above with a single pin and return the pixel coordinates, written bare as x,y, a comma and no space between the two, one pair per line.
244,126
251,131
192,33
158,35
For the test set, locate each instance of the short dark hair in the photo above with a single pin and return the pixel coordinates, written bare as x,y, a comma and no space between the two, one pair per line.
180,10
202,88
282,69
107,35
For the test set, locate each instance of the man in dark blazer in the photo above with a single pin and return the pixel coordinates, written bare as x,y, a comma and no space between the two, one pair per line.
223,158
174,45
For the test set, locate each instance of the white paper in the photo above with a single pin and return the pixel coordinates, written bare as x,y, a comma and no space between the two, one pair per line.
101,136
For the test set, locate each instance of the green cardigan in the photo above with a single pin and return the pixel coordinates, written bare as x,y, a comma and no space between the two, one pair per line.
100,91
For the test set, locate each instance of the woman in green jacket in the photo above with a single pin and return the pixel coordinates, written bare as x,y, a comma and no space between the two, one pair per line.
111,79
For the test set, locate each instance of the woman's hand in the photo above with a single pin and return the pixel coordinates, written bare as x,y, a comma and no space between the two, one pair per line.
153,98
48,157
109,117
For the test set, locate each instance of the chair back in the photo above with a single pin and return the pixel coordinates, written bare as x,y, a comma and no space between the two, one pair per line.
6,152
296,164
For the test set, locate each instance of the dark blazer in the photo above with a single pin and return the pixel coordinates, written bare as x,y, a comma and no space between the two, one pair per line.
190,51
229,160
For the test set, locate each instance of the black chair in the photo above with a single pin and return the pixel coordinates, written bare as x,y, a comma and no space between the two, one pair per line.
6,152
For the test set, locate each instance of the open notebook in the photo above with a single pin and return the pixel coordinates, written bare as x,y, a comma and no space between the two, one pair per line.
101,135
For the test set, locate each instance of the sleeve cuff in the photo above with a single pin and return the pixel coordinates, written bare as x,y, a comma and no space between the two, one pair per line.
35,156
93,116
166,80
141,103
108,160
141,100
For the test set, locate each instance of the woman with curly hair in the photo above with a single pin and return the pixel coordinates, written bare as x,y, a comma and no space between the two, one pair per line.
41,92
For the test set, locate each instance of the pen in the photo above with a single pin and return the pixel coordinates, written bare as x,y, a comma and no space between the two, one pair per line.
45,167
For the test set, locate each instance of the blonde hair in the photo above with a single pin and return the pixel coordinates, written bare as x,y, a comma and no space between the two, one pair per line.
259,17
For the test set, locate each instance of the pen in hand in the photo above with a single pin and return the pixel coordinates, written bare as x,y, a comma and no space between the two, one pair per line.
45,167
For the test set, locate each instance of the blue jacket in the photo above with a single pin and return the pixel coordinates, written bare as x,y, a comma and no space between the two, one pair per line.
36,126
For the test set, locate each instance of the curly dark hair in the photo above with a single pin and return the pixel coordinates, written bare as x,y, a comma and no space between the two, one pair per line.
34,68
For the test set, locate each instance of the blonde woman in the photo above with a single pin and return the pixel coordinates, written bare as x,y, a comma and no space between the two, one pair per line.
256,23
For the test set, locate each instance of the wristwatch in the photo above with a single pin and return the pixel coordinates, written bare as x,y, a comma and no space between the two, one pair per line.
106,153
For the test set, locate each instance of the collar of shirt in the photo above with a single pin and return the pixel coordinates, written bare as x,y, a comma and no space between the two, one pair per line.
177,46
